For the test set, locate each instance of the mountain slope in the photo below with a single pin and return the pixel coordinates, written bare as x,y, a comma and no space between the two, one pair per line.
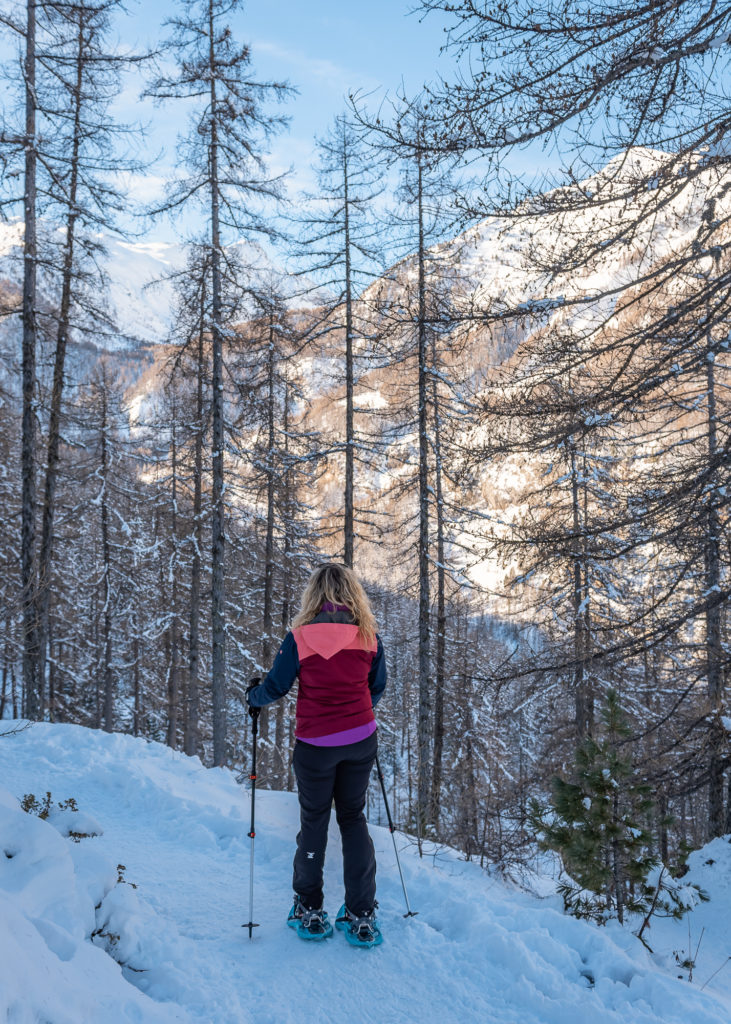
478,951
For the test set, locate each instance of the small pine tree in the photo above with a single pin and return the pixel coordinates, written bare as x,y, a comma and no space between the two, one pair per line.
595,824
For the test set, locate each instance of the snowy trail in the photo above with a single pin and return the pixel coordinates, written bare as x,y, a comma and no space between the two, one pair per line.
478,951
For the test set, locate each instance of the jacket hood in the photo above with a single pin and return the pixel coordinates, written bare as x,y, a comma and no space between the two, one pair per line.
327,638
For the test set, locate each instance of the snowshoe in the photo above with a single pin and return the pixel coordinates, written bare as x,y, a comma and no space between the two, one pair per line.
359,931
309,924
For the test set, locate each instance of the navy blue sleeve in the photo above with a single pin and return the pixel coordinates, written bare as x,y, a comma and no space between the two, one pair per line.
377,676
283,673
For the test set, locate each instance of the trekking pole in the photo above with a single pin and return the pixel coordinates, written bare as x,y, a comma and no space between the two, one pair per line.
252,832
392,829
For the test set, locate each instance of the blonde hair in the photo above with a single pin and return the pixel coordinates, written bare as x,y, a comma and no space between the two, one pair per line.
337,584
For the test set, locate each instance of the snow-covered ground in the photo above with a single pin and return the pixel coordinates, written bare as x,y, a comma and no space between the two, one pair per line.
480,950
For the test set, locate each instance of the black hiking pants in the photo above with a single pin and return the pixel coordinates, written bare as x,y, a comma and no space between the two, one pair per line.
325,774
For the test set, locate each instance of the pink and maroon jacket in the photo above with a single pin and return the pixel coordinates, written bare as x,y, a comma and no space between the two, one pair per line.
341,678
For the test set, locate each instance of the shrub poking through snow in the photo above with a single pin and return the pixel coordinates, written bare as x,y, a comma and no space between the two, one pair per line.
31,805
64,816
121,868
595,823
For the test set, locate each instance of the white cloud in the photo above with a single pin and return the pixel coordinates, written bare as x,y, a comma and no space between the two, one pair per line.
334,76
142,187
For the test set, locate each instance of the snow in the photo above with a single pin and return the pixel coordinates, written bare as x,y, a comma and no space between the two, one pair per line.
480,950
49,971
719,41
370,400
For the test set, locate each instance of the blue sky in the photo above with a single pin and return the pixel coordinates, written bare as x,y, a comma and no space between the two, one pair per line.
323,48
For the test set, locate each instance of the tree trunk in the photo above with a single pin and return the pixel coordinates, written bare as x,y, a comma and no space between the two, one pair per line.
32,683
171,737
52,696
192,708
663,827
616,865
349,528
280,730
137,713
218,596
43,588
712,588
108,678
3,693
9,664
94,631
14,690
581,696
424,726
441,605
266,640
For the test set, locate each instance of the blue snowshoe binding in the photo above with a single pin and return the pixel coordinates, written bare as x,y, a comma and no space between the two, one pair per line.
360,931
309,924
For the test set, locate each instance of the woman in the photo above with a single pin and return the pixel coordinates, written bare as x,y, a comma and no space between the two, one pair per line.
337,655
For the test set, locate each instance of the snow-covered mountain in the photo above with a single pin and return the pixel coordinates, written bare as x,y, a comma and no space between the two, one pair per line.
569,260
162,889
139,296
495,274
491,255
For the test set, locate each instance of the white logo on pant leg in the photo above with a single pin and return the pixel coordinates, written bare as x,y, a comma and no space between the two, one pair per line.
311,856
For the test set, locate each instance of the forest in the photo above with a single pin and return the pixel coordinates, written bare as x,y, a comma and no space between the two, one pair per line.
502,397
